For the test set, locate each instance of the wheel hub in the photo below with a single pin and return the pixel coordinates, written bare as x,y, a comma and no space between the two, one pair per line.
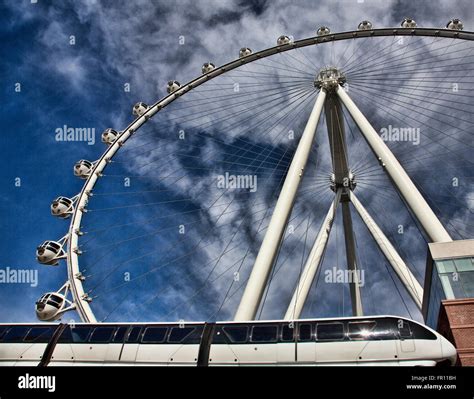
329,78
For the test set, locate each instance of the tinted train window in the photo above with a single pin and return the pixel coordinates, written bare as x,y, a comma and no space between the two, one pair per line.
80,334
154,335
102,334
403,329
120,334
304,332
359,331
287,333
219,337
237,334
385,329
65,335
183,335
330,331
16,334
40,334
3,329
264,333
420,332
134,334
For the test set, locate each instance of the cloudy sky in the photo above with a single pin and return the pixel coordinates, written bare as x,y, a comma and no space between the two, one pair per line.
85,63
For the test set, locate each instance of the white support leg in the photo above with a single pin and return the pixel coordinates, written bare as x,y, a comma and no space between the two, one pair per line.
312,264
407,278
261,270
432,226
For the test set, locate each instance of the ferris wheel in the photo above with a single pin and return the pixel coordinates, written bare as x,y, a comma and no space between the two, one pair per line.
230,192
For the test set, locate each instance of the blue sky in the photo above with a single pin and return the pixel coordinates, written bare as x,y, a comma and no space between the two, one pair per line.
81,85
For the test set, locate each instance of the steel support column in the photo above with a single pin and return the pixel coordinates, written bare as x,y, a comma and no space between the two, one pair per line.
399,266
266,256
422,211
312,264
342,180
354,283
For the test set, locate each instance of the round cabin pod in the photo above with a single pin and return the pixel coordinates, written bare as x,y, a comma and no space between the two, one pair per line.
323,31
455,24
109,136
83,168
139,109
365,25
49,253
62,207
49,307
207,67
244,52
172,86
408,23
282,40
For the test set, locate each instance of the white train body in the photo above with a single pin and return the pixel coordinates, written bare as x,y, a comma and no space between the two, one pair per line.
364,341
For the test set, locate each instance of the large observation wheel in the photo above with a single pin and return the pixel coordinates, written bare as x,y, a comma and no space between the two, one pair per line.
172,217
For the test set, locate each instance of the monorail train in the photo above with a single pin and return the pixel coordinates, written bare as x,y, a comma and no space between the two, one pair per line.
378,340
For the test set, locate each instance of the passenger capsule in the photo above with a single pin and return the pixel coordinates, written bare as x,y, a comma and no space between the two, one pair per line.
282,40
244,52
49,307
83,168
140,108
365,25
49,253
408,23
455,24
172,86
323,31
109,136
62,207
207,67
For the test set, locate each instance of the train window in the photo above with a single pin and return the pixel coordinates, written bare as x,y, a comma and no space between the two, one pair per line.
304,332
120,334
102,334
154,335
287,333
237,334
134,334
403,329
65,335
15,334
80,334
420,332
330,332
385,329
3,330
264,333
40,334
179,334
360,331
219,336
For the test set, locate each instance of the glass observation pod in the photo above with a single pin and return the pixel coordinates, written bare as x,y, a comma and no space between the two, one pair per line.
386,340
